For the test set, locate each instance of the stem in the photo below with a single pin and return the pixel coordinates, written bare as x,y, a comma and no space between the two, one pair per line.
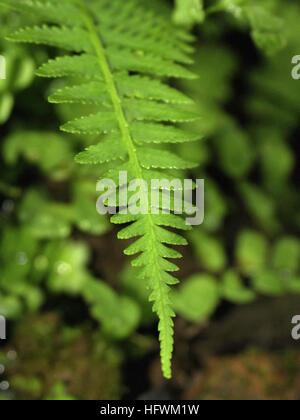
128,141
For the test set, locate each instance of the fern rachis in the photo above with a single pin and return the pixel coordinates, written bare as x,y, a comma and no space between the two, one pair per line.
133,112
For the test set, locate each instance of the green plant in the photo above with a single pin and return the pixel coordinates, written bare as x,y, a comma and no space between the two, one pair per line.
272,271
247,245
19,69
59,393
131,110
188,12
266,27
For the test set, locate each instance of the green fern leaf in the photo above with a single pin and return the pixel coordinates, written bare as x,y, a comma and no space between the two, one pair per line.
86,65
140,110
87,93
146,88
63,13
103,122
156,158
111,148
109,41
159,133
71,39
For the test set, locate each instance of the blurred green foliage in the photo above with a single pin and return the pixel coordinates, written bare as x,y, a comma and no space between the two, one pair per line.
52,361
255,237
188,12
248,245
20,67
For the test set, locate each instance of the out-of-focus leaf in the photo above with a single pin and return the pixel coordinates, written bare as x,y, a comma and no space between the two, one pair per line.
45,219
17,249
233,289
277,160
68,273
19,73
25,74
286,254
50,151
209,250
118,315
197,151
84,206
31,295
6,105
268,283
261,206
266,28
251,252
197,298
188,12
235,153
10,307
215,207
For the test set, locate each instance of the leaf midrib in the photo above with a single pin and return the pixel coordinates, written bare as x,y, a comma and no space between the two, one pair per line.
124,128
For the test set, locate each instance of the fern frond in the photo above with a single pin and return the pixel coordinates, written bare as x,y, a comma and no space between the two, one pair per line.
112,40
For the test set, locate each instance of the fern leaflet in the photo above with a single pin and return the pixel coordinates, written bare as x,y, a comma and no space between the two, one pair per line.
122,50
